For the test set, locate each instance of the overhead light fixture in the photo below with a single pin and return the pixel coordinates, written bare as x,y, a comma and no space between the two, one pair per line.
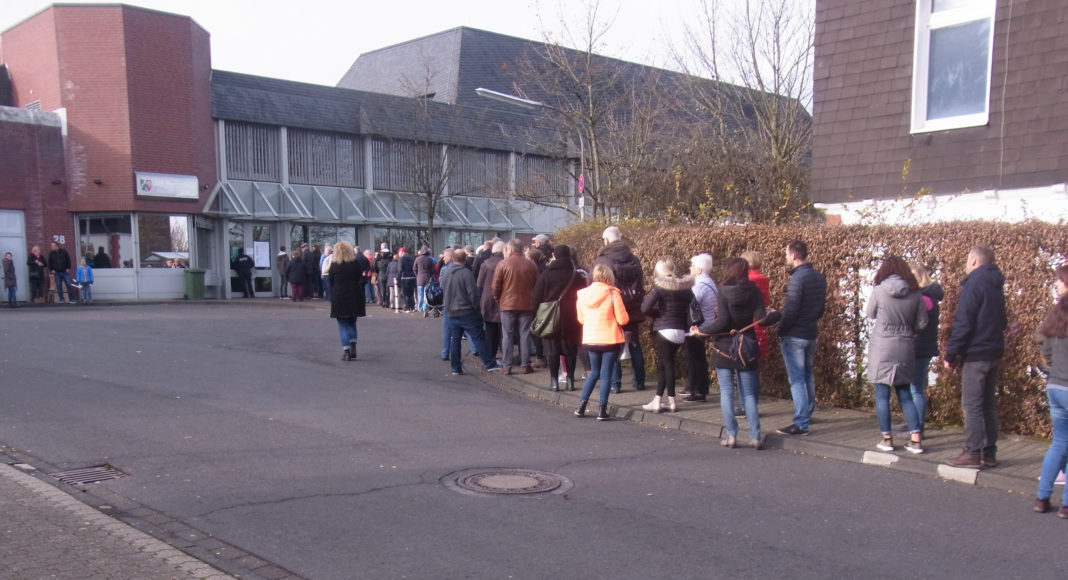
98,181
57,181
506,98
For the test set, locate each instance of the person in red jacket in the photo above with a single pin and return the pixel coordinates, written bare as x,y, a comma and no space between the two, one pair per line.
762,284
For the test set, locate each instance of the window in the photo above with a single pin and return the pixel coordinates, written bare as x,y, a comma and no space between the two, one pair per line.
951,64
163,240
110,235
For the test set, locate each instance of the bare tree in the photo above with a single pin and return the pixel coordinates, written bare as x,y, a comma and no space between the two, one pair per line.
766,48
606,110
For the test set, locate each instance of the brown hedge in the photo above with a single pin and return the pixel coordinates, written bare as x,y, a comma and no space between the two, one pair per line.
1027,253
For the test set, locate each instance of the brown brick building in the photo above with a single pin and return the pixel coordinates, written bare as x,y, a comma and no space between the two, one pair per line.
965,100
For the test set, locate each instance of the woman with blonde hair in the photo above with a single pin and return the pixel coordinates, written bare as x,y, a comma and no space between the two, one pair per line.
667,305
347,301
926,341
602,315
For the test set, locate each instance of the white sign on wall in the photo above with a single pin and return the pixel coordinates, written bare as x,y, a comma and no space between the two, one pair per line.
167,185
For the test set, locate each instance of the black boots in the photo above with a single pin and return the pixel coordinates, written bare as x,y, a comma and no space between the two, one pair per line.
352,350
570,382
554,385
603,415
346,354
581,411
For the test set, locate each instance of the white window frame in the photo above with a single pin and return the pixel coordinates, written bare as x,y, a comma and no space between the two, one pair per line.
925,23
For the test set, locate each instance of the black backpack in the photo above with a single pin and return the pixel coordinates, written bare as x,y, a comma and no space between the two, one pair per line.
434,294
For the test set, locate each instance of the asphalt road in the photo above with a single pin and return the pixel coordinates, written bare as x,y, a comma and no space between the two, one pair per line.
241,421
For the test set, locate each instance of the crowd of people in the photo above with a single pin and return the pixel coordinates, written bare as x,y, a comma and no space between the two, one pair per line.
493,295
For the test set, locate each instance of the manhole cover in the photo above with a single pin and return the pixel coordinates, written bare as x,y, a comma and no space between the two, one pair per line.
506,481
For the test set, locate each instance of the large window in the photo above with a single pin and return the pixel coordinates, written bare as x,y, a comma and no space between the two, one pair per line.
252,152
110,238
163,240
952,61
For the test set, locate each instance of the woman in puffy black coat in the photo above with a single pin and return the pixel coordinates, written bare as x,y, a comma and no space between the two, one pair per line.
560,279
740,302
347,302
667,305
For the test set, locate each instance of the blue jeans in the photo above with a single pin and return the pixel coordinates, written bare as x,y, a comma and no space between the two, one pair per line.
749,384
637,361
369,293
346,328
61,279
471,324
602,365
11,294
326,287
1057,457
798,354
408,291
87,291
420,298
513,323
445,336
882,407
919,388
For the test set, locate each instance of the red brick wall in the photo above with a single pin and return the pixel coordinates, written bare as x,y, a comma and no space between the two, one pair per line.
30,53
862,105
168,75
135,84
31,157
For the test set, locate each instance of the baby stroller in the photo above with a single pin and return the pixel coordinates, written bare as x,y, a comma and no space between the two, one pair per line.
434,299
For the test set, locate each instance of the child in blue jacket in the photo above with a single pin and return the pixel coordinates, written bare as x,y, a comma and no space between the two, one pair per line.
84,277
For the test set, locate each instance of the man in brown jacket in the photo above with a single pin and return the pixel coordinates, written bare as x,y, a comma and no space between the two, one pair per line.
513,282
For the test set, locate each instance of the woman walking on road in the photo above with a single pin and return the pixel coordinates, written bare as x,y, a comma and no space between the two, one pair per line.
347,301
896,307
1054,336
602,315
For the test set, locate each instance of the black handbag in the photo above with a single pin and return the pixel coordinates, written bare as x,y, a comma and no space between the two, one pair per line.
695,316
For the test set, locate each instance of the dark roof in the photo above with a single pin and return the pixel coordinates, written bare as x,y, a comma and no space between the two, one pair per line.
255,99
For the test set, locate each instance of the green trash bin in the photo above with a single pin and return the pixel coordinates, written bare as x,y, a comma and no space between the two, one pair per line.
194,284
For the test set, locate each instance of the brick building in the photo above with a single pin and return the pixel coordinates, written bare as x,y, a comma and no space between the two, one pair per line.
964,101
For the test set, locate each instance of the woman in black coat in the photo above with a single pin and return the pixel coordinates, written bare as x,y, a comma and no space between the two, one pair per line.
926,340
740,302
667,305
347,302
296,275
560,279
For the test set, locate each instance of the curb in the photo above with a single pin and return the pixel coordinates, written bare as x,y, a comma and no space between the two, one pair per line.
773,441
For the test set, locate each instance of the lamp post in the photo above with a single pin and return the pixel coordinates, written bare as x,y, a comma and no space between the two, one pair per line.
531,104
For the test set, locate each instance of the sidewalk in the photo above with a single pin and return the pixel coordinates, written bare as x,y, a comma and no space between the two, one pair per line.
840,434
47,533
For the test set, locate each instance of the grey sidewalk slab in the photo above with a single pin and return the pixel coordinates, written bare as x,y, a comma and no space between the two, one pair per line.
46,533
842,434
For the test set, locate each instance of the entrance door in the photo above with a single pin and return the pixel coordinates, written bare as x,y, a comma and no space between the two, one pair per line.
255,239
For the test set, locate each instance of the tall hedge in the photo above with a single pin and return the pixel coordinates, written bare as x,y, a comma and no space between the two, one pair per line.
1027,253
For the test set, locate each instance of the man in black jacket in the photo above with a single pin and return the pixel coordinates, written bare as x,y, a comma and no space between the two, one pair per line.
59,263
806,299
977,344
630,280
243,264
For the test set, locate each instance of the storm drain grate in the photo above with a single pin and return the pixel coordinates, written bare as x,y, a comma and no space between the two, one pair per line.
507,481
88,475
